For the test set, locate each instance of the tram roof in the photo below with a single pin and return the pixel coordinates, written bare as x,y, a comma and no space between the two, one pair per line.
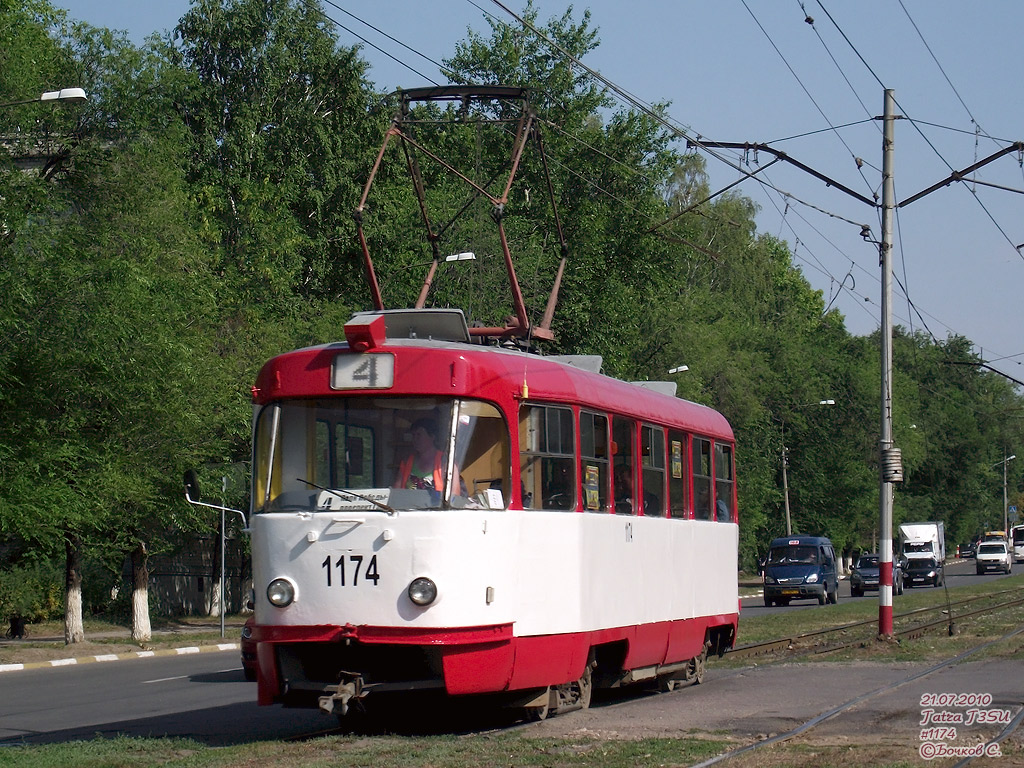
455,368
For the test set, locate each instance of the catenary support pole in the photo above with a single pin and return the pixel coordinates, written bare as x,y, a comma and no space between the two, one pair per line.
885,552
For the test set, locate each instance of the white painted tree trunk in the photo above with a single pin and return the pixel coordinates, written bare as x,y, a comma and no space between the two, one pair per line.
74,628
142,630
215,596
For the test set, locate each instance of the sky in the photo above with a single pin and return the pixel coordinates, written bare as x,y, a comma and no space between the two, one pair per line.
808,78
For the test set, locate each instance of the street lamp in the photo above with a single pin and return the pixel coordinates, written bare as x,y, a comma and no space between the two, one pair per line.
1006,459
679,369
785,464
422,300
68,95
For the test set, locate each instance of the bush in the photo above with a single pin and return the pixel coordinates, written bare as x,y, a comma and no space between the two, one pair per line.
33,592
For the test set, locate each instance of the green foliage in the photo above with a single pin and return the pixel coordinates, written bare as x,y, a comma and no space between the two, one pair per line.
33,592
195,218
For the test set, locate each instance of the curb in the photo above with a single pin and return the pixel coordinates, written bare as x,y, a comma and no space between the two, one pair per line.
119,657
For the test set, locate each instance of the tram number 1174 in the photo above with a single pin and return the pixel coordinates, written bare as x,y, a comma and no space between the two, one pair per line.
345,566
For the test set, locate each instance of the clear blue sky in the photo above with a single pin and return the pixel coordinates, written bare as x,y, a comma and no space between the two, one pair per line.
755,70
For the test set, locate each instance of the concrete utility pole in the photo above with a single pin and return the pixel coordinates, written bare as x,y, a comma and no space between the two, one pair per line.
785,486
891,461
890,467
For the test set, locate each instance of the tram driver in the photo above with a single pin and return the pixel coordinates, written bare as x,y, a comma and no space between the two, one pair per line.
424,468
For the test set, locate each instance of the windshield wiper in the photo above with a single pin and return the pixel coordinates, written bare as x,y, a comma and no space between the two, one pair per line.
342,493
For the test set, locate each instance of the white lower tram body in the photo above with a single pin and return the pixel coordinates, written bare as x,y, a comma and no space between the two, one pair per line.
525,600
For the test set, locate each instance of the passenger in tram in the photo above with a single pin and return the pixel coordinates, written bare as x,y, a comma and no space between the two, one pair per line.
722,514
624,504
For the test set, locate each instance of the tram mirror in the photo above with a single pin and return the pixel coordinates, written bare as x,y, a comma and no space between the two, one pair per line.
191,485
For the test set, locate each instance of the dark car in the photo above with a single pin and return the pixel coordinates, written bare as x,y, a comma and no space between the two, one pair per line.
924,570
865,576
801,567
249,650
968,550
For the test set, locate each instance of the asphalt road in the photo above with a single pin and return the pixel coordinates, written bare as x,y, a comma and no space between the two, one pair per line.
202,696
205,697
959,573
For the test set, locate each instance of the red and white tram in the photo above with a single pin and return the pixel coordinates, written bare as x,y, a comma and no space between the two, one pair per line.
555,530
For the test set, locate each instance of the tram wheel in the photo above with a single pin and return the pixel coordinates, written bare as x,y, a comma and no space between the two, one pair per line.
698,666
586,688
541,712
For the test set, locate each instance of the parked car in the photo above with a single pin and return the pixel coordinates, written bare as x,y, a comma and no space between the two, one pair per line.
865,575
249,650
993,556
925,570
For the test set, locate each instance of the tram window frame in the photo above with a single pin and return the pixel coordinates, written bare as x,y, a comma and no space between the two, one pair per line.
333,448
595,460
679,475
624,466
547,456
725,477
703,495
652,470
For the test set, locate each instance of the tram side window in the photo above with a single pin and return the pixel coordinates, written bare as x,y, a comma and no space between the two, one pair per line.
724,483
678,460
652,459
702,479
623,438
594,461
547,457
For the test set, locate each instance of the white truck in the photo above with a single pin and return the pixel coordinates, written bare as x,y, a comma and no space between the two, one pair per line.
923,540
924,547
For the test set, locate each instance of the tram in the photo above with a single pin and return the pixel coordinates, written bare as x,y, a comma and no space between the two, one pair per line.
438,508
1017,543
434,513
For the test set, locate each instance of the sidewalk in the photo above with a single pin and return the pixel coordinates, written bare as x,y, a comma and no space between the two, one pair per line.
37,652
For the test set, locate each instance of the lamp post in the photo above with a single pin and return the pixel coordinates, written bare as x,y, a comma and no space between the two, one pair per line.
679,369
1006,522
785,464
67,95
465,256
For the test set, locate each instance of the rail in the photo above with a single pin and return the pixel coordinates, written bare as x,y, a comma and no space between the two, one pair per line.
804,642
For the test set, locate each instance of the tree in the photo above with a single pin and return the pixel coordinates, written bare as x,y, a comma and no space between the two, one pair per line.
279,115
108,325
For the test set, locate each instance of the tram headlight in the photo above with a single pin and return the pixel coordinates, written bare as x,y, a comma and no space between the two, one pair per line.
422,591
281,592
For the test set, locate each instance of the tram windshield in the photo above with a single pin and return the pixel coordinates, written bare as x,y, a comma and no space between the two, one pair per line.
378,453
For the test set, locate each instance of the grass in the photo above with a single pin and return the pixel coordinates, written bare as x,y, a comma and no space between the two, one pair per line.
516,749
381,752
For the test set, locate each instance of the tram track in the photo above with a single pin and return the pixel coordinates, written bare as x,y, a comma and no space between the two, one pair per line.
820,640
829,714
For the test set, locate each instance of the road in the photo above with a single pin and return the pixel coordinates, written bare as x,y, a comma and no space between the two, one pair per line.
202,696
205,697
959,573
